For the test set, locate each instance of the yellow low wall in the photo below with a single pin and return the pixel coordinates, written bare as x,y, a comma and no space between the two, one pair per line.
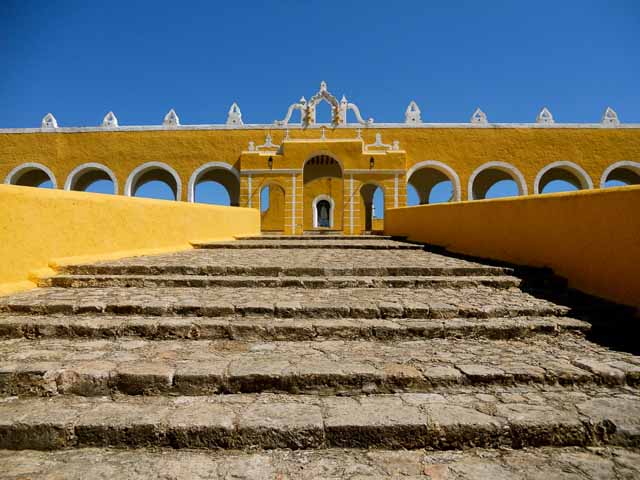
40,227
591,237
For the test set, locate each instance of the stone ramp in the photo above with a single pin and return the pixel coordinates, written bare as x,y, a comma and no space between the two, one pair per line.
568,463
377,345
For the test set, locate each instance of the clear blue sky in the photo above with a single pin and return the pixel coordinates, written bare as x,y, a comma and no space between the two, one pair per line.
80,59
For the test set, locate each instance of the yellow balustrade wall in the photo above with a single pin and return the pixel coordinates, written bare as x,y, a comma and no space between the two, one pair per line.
40,228
592,238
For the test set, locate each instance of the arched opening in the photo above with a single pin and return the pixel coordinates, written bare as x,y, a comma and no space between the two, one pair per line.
32,175
496,180
621,174
562,177
92,177
215,183
371,207
154,180
322,179
432,182
272,208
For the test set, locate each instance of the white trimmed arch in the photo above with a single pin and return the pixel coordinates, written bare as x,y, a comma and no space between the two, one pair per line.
442,168
332,208
625,164
201,170
505,167
579,172
140,170
20,170
77,172
323,153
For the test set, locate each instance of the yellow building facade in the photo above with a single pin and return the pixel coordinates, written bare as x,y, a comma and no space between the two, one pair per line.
322,177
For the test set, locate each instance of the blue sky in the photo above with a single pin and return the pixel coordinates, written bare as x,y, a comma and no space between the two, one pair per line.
80,59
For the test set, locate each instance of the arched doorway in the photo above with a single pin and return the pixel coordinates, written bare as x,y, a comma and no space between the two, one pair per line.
215,183
92,178
154,180
31,175
323,193
272,208
496,180
562,177
371,207
620,174
432,182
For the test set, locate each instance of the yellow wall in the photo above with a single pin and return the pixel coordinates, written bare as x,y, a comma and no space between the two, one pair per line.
272,219
40,225
592,238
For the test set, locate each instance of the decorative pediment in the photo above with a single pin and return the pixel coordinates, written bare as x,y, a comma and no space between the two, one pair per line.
412,114
234,117
544,116
171,119
49,121
610,117
338,109
479,117
110,120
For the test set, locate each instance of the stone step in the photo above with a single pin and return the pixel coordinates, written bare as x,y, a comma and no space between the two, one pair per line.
134,268
326,244
478,302
208,281
328,238
557,463
514,420
280,329
179,367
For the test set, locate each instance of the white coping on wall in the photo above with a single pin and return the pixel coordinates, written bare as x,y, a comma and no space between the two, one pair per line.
145,167
80,169
516,175
202,169
291,127
634,166
443,168
25,167
582,176
315,210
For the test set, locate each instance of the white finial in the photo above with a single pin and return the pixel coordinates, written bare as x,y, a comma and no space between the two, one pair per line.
171,119
344,99
252,146
412,114
323,86
479,117
303,100
110,120
544,116
359,134
234,117
49,121
610,117
286,134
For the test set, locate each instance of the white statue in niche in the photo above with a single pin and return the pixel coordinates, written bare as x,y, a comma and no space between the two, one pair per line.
49,121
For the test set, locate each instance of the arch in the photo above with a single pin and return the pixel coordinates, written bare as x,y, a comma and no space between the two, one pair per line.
624,171
230,180
367,193
272,218
567,171
95,171
494,172
30,169
444,169
328,159
332,208
144,170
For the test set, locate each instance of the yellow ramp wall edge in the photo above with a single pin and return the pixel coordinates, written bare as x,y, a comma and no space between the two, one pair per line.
43,229
590,237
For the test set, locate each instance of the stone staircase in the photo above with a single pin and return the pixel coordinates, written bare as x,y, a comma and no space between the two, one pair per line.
311,357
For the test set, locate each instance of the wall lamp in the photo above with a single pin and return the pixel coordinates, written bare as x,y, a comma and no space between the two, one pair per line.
270,162
372,162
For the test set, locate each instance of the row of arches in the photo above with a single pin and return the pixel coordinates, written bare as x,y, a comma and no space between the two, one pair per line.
213,182
435,182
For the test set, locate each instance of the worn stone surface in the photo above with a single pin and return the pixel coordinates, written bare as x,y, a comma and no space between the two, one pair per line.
220,358
331,464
